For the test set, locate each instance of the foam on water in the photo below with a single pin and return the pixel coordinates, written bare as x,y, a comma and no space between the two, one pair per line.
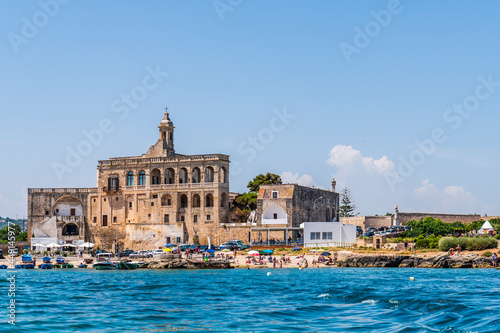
353,300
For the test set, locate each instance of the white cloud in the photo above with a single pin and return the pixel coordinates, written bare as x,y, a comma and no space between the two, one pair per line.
346,157
449,199
293,178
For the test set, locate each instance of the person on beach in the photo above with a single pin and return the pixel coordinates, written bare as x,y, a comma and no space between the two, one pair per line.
458,248
494,259
406,246
474,264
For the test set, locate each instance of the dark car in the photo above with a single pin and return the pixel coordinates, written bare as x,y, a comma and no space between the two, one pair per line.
368,234
125,253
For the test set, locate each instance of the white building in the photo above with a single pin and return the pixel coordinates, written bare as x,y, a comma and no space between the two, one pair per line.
328,234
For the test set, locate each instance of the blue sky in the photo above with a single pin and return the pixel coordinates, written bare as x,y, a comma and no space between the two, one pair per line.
362,84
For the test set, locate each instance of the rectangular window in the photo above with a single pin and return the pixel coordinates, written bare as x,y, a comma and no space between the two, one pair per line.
169,202
166,218
195,219
275,216
113,184
94,200
167,240
104,199
315,235
95,219
208,217
182,218
327,235
275,194
129,205
115,219
152,204
149,216
57,210
155,196
46,212
178,240
105,220
116,198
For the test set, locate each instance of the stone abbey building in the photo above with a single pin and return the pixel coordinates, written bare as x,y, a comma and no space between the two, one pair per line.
162,197
140,202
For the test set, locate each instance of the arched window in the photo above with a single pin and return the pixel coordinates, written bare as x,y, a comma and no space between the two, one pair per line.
70,230
170,176
196,175
130,179
209,175
209,200
223,175
183,176
184,201
223,200
142,178
166,200
155,177
196,201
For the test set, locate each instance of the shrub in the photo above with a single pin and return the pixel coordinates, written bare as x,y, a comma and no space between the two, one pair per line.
422,244
487,254
471,244
58,252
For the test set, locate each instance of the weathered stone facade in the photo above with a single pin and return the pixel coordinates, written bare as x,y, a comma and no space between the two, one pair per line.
140,202
289,205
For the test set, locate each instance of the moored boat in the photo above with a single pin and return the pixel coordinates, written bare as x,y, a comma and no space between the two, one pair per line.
46,266
60,260
104,265
3,266
46,260
67,265
127,265
82,266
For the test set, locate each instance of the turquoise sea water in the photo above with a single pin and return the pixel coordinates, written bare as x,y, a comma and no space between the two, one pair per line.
287,300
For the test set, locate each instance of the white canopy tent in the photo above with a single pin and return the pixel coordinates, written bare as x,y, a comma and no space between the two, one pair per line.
486,228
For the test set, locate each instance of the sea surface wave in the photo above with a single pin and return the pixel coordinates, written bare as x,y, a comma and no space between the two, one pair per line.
288,300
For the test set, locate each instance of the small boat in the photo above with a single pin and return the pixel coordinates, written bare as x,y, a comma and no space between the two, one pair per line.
104,265
67,265
82,266
60,260
88,261
127,265
26,259
142,264
3,266
25,266
46,266
46,260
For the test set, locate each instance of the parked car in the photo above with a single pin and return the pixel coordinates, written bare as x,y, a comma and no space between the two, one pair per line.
13,252
157,252
229,245
368,234
183,247
242,246
140,255
125,253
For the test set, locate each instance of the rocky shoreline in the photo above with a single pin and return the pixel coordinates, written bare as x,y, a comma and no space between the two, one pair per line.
439,261
187,264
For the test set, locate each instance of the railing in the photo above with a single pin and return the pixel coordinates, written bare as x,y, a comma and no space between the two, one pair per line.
63,190
178,158
278,243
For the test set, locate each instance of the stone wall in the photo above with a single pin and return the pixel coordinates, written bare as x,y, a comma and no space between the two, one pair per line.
448,218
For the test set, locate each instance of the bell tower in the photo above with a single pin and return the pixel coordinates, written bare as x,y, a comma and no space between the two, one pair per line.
167,134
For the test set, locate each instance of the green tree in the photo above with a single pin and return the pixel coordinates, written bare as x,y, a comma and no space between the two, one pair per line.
347,206
4,233
269,178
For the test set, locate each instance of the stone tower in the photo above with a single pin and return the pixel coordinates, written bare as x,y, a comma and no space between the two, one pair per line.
165,145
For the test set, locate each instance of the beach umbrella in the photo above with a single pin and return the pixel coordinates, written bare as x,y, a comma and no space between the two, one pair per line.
314,250
169,245
253,253
69,245
53,245
326,254
167,249
210,251
296,248
226,250
268,251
